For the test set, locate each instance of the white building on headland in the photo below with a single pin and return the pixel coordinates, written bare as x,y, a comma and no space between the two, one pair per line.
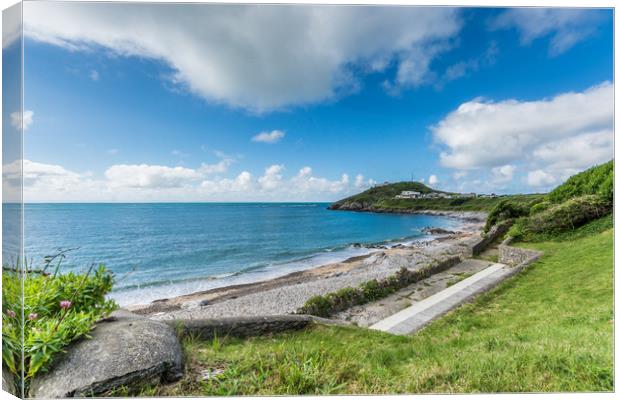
408,194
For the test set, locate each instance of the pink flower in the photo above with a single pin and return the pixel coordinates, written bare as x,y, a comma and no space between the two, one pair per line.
65,304
32,316
10,313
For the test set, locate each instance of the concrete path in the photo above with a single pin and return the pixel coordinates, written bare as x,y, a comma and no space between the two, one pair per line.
413,318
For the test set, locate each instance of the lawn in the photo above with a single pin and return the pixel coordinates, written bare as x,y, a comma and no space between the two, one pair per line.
550,328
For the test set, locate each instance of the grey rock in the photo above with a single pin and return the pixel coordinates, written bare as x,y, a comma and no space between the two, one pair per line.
125,350
8,383
437,231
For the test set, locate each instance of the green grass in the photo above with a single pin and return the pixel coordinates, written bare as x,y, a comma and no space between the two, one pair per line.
546,329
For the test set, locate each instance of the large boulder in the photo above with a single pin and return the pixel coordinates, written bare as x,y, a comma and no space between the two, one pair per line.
125,350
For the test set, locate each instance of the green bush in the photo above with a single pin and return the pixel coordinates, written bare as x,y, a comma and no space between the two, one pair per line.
538,207
317,305
504,210
569,214
597,180
324,306
519,230
57,309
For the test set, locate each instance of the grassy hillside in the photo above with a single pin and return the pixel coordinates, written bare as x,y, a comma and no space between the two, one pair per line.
598,180
458,204
584,197
549,328
376,194
381,199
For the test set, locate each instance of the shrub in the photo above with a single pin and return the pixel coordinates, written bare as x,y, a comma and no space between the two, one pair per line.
538,207
519,230
597,180
569,214
374,290
505,210
317,305
324,306
57,309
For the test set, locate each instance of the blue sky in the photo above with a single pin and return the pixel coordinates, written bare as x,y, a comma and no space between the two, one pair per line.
283,103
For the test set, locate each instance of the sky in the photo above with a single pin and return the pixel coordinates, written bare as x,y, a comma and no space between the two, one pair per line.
189,102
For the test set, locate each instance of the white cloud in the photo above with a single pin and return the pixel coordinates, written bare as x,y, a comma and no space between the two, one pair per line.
279,58
560,135
305,182
272,177
503,174
459,175
540,178
577,152
11,25
463,68
269,137
17,120
49,182
242,183
150,176
94,75
433,180
565,26
218,168
362,184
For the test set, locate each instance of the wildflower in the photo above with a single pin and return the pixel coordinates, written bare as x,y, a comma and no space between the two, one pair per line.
32,316
65,304
10,313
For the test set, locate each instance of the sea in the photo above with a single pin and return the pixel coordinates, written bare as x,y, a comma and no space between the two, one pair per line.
162,250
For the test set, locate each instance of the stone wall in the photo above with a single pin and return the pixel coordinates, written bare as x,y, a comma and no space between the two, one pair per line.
207,329
515,256
495,232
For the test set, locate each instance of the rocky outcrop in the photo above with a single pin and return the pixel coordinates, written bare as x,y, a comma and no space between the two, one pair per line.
437,231
125,350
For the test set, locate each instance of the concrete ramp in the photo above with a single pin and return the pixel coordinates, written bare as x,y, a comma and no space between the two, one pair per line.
418,315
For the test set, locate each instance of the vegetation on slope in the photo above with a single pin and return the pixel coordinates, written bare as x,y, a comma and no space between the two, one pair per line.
457,204
549,328
584,197
57,310
382,199
375,194
598,180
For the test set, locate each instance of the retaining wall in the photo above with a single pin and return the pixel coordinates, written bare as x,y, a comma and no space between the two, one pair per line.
207,329
515,256
495,232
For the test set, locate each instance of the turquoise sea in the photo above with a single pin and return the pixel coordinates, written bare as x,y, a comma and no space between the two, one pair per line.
163,250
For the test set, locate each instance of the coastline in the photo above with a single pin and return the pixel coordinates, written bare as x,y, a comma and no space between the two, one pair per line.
282,295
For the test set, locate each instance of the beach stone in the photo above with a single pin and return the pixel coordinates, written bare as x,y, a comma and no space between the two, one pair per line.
125,350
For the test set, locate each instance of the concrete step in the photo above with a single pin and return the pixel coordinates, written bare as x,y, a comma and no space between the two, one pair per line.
413,318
